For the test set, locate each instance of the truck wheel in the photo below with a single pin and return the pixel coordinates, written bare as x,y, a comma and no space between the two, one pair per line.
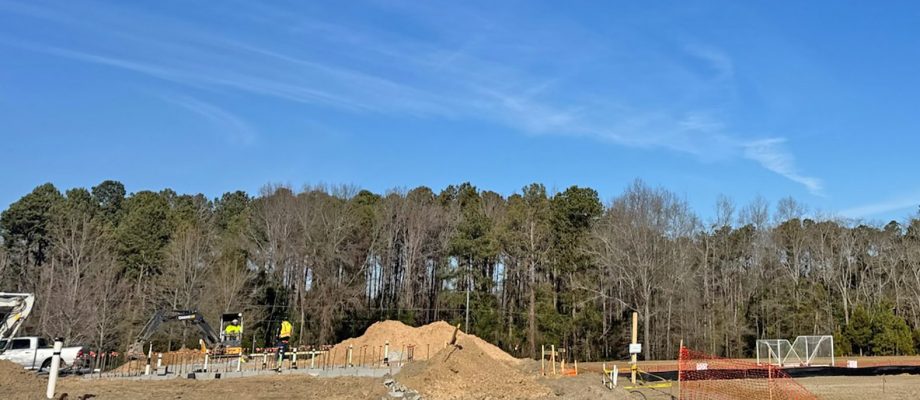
46,366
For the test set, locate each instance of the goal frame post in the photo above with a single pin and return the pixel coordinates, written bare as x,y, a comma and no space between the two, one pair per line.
803,351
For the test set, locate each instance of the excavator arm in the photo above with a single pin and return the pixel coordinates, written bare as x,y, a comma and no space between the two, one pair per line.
210,337
14,309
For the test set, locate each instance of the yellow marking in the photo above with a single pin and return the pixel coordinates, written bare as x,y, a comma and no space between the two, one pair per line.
651,386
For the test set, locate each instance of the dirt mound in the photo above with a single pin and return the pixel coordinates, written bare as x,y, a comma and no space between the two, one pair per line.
427,339
16,383
470,371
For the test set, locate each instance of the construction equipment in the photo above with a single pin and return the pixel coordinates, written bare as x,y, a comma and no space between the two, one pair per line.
232,343
212,342
14,309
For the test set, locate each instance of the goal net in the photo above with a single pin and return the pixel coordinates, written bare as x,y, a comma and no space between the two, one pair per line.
704,376
805,351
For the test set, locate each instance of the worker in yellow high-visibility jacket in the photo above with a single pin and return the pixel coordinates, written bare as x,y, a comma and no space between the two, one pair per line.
284,339
286,329
233,329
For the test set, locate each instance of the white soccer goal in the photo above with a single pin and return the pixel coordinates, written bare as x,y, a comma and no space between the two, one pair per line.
773,351
805,351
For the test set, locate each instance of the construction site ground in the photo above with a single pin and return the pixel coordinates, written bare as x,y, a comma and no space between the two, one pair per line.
288,386
582,387
469,368
21,385
896,387
671,365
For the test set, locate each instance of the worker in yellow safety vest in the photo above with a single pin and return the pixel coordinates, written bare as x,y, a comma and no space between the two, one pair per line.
286,328
233,329
284,339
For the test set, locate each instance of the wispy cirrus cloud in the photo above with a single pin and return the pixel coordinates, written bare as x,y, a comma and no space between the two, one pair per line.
229,125
519,78
720,62
211,75
770,154
899,203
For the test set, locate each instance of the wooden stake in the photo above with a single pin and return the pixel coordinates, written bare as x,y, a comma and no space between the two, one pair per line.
770,380
543,359
553,357
679,355
633,357
453,337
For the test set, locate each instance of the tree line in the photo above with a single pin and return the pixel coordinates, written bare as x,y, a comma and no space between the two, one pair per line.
522,270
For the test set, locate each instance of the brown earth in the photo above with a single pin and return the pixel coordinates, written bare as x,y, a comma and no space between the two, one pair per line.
471,371
581,387
16,383
474,370
898,387
262,387
427,339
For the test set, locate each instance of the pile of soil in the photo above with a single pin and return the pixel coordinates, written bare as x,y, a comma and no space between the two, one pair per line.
471,371
16,383
427,339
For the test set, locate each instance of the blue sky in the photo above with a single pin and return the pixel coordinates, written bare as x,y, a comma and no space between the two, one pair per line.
814,100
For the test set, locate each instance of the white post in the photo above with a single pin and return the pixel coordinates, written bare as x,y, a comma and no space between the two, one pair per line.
294,359
55,366
159,360
149,356
349,356
239,362
312,358
807,353
206,359
782,358
386,352
779,355
616,375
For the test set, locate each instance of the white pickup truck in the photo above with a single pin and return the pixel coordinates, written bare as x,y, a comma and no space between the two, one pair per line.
35,353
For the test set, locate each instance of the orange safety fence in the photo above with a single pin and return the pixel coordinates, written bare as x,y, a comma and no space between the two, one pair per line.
705,376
